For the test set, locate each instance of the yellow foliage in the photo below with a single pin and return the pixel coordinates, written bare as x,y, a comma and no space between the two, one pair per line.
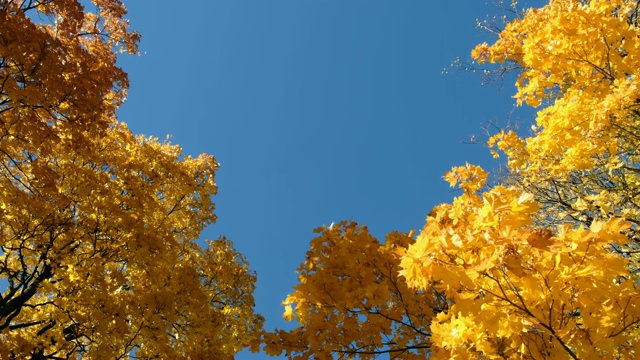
516,290
468,177
538,267
99,227
350,301
554,282
580,60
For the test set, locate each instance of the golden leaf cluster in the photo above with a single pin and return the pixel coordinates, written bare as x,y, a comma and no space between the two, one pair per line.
98,256
542,265
99,226
351,299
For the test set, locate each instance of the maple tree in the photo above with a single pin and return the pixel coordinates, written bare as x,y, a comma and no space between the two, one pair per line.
582,163
520,290
539,267
98,256
350,301
542,265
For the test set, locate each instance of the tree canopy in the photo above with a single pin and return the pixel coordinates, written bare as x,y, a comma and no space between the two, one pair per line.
350,300
100,255
99,226
542,264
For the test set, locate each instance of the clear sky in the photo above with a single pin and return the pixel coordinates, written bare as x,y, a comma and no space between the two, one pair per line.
317,111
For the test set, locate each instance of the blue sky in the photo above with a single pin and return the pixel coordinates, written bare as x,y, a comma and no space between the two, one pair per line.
318,111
